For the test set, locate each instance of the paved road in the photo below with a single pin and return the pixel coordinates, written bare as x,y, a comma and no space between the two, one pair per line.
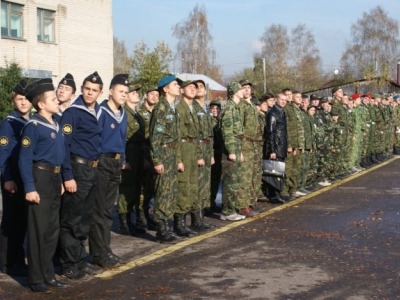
340,242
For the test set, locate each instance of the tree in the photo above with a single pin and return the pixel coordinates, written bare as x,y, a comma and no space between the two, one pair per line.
373,50
9,77
148,66
122,60
194,50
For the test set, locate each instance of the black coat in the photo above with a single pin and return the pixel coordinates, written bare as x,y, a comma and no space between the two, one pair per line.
275,133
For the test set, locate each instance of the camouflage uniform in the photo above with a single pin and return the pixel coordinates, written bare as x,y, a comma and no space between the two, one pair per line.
232,130
164,140
396,124
309,146
358,121
296,141
324,138
190,153
365,132
249,119
258,156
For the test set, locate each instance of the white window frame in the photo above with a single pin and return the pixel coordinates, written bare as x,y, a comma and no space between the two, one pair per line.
9,29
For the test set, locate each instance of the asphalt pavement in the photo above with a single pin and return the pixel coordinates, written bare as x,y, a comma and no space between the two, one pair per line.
339,242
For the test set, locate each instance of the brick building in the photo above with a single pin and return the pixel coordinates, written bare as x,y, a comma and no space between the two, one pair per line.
49,38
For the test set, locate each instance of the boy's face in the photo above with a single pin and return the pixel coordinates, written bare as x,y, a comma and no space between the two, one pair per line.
119,94
201,90
90,92
133,97
49,103
189,91
215,110
21,104
173,89
246,91
64,93
152,97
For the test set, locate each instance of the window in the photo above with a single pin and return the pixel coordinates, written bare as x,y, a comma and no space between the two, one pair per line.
11,20
45,25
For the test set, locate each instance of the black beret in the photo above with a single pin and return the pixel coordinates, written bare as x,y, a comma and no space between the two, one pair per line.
120,79
68,80
94,78
38,87
20,87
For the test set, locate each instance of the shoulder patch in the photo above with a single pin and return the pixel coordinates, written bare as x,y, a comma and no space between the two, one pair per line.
26,142
159,128
3,141
67,129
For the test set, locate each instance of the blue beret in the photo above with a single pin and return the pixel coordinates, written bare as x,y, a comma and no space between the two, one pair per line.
167,80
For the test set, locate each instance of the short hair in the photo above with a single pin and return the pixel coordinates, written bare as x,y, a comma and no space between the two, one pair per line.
286,90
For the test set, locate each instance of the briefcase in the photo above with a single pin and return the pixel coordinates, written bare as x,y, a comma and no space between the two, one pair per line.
273,168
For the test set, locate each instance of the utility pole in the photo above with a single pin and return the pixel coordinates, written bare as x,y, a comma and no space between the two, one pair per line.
265,76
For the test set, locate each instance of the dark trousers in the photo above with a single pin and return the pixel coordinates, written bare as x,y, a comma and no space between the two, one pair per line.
76,217
108,179
43,226
13,226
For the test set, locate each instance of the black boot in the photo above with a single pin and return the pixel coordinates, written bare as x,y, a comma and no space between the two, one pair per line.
198,223
179,229
151,223
132,228
192,232
140,221
163,235
123,225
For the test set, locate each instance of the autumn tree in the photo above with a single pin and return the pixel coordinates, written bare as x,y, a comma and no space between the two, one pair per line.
10,75
194,50
148,66
374,47
122,60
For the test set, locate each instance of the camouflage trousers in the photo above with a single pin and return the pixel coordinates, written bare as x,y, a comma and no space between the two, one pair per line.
304,169
246,188
166,187
204,182
293,164
257,172
231,175
188,181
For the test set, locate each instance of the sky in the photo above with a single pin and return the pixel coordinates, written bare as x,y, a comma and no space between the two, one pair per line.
236,26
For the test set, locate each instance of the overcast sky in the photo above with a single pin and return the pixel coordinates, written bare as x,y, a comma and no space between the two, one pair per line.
236,26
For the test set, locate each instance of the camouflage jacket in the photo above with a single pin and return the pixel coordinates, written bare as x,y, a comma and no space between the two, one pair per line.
249,118
231,128
295,126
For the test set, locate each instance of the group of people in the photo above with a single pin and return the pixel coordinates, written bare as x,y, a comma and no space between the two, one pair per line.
164,160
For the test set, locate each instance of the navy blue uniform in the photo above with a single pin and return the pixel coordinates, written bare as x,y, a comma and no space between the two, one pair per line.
83,144
112,156
41,155
13,223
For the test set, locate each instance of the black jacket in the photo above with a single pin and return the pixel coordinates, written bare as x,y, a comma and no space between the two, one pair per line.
275,133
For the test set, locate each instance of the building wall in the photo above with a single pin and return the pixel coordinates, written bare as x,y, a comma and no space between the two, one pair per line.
83,40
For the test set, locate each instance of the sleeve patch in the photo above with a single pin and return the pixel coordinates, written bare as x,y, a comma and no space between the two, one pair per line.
26,142
67,129
3,141
159,128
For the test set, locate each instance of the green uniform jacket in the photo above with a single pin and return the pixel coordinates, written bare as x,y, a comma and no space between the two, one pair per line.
231,127
295,126
249,117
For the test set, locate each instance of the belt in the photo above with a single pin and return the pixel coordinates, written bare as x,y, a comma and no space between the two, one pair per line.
84,161
189,140
116,156
169,145
205,141
245,138
52,169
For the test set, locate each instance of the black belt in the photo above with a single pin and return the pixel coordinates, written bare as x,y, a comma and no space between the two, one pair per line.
49,168
84,161
116,156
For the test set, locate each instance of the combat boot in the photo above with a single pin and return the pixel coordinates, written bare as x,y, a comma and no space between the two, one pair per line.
123,225
198,223
192,232
140,221
151,223
179,229
163,235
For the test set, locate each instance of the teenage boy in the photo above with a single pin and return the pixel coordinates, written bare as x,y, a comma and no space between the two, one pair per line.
65,94
113,124
82,131
42,153
13,223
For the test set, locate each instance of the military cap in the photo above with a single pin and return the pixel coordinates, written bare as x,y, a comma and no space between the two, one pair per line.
185,83
374,96
94,78
38,87
167,80
20,87
120,79
314,97
135,87
366,96
233,87
335,89
68,79
215,102
244,82
324,100
355,96
200,80
151,89
255,101
304,96
334,113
